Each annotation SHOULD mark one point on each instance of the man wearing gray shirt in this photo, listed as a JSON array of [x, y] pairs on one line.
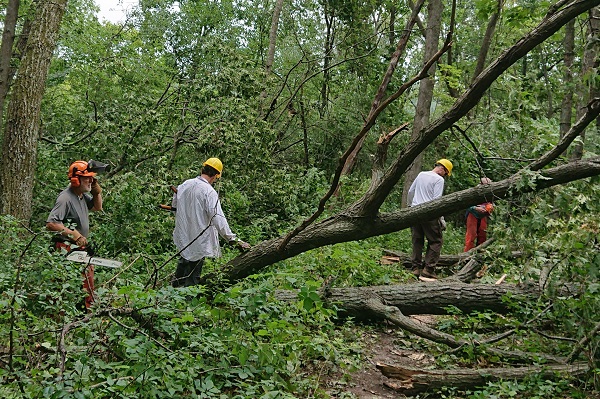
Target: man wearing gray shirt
[[427, 187], [70, 216]]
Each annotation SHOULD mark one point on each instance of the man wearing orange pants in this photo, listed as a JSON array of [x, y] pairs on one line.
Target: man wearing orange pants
[[70, 217], [477, 221]]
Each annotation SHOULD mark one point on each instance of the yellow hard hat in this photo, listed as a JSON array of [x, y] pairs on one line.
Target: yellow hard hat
[[214, 163], [446, 164]]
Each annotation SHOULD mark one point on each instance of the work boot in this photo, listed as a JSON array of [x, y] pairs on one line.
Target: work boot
[[416, 271], [428, 272]]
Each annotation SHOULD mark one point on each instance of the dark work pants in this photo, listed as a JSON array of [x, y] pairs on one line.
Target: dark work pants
[[187, 273], [432, 230]]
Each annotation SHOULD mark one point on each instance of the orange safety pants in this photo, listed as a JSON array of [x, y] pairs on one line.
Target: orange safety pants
[[87, 274], [476, 231]]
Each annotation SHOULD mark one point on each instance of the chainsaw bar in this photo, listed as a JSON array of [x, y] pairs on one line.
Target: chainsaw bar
[[83, 257]]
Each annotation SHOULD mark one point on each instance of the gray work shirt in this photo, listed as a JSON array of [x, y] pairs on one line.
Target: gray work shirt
[[72, 211], [199, 220]]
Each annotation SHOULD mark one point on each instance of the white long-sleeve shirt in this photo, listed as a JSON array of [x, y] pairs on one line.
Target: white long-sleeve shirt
[[426, 187], [199, 210]]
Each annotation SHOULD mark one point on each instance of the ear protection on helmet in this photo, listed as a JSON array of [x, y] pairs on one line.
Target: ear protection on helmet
[[77, 169]]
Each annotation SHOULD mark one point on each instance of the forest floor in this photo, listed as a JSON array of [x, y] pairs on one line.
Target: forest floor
[[382, 345]]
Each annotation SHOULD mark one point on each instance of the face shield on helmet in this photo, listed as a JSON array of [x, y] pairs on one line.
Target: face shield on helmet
[[78, 169]]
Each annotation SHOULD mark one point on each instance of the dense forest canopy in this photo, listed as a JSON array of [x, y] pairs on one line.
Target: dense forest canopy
[[321, 112]]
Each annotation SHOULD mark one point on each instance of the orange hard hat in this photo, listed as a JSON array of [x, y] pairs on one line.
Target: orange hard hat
[[79, 168]]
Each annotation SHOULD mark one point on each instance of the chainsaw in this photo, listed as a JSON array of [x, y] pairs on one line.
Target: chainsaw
[[169, 207], [81, 256]]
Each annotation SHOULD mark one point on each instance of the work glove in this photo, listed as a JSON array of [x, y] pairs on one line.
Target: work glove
[[96, 189], [443, 223], [244, 246], [78, 239]]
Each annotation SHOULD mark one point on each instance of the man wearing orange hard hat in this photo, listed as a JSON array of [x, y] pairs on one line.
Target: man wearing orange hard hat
[[70, 216], [199, 221], [427, 187]]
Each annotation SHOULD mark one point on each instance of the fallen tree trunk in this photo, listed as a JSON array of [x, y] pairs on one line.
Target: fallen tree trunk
[[353, 226], [426, 298], [413, 381], [363, 219], [394, 316]]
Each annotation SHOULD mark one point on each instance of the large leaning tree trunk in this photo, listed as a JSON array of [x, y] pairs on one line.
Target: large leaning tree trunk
[[362, 219], [22, 127]]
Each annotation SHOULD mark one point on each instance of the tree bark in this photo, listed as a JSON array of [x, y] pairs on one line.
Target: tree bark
[[423, 111], [22, 126], [400, 49], [445, 261], [588, 88], [273, 36], [270, 55], [566, 109], [6, 50], [328, 14], [487, 40], [419, 298], [414, 381]]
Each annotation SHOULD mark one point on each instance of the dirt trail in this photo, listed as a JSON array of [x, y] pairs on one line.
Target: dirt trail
[[382, 346]]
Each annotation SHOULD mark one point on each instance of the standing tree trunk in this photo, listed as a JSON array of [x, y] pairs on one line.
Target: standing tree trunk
[[327, 56], [273, 36], [434, 20], [487, 39], [566, 110], [8, 38], [270, 54], [589, 86], [21, 133], [485, 46]]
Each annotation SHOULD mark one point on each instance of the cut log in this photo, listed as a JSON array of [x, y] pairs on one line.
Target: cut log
[[445, 261], [412, 381], [420, 298]]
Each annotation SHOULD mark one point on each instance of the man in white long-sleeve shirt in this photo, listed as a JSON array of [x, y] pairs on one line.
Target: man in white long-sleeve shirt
[[199, 221], [427, 187]]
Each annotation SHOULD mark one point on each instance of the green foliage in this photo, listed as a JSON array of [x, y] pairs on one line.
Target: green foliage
[[533, 389], [183, 81], [174, 344]]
